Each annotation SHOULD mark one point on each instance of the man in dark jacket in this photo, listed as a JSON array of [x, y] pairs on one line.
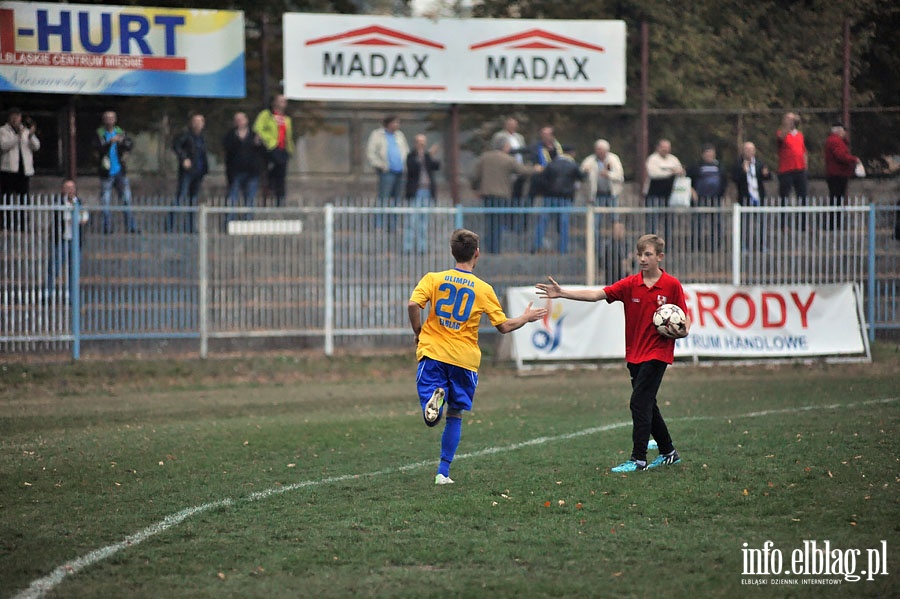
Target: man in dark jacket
[[193, 164], [560, 178], [243, 160], [708, 183], [750, 173], [112, 145], [421, 191]]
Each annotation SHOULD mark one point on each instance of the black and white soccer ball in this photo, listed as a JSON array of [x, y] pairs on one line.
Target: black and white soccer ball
[[670, 321]]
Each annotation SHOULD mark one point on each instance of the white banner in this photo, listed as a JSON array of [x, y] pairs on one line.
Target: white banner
[[469, 61], [727, 322]]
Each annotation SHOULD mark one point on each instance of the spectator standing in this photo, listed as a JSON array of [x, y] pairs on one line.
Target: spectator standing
[[543, 152], [491, 178], [447, 342], [750, 174], [840, 165], [193, 164], [243, 154], [275, 131], [605, 181], [112, 146], [421, 192], [18, 143], [61, 237], [517, 149], [561, 178], [792, 163], [662, 168], [708, 183], [386, 151]]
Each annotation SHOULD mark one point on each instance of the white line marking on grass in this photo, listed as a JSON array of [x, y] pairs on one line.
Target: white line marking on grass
[[42, 586]]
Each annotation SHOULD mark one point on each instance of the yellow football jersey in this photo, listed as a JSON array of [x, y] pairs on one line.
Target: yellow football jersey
[[458, 299]]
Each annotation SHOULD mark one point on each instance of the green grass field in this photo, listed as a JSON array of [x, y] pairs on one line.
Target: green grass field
[[313, 477]]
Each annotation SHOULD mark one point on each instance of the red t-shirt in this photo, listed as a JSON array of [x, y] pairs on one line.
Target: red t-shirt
[[282, 129], [791, 153], [642, 341]]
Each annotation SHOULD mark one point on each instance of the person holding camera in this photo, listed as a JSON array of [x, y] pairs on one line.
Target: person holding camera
[[112, 145], [18, 143]]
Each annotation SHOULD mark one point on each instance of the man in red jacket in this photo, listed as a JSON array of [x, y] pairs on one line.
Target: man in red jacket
[[840, 165]]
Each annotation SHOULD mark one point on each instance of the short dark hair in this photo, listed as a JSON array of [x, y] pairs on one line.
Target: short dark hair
[[14, 110], [389, 119], [463, 244]]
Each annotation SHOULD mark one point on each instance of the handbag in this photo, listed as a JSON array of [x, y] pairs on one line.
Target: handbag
[[860, 170], [681, 193]]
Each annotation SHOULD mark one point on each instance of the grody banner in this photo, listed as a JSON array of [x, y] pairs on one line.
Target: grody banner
[[467, 61], [122, 50], [727, 322]]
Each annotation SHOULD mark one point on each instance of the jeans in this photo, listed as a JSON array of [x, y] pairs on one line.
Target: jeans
[[415, 232], [495, 222], [390, 188], [795, 180], [657, 203], [123, 189], [59, 256], [188, 190], [837, 193], [603, 201], [276, 174], [715, 224], [562, 224], [246, 185]]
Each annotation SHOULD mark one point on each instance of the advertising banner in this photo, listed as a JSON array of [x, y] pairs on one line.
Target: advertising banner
[[471, 61], [122, 50], [727, 322]]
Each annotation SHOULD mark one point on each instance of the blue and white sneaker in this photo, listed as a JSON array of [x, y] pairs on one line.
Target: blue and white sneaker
[[630, 466], [440, 479], [665, 460], [434, 407]]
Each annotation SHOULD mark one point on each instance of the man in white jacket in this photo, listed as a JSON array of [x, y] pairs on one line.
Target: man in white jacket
[[18, 143], [386, 152], [605, 181]]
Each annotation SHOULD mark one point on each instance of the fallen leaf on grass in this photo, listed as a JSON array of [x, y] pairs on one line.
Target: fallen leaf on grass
[[27, 484], [546, 504], [746, 492], [221, 575]]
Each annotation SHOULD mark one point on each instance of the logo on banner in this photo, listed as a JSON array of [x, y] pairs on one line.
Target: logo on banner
[[537, 61], [375, 57], [108, 40], [549, 336]]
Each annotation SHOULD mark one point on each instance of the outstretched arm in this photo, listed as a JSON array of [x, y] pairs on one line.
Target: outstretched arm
[[529, 315], [552, 289]]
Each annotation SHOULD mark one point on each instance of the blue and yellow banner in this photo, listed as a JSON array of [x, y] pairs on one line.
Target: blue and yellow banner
[[121, 50]]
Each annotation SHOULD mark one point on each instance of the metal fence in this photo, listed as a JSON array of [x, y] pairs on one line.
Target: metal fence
[[340, 275]]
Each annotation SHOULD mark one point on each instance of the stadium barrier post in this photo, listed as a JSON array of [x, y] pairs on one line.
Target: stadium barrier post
[[203, 276], [329, 279]]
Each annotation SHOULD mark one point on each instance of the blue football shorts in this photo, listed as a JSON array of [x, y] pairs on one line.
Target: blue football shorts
[[459, 383]]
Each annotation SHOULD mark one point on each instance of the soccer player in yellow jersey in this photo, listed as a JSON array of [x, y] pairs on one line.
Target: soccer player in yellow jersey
[[447, 344]]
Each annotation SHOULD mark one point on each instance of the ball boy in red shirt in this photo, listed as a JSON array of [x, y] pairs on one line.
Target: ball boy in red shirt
[[647, 352]]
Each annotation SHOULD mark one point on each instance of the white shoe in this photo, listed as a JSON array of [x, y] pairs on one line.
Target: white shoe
[[440, 479], [433, 407]]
